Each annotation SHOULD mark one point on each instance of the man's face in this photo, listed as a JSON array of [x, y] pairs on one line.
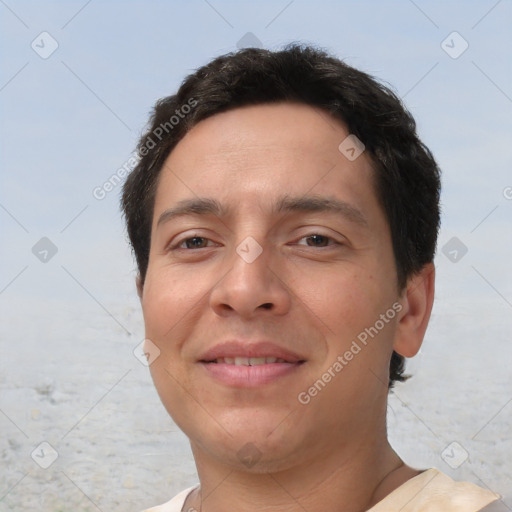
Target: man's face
[[270, 275]]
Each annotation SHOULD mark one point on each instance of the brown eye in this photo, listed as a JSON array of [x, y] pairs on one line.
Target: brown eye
[[318, 240], [189, 244], [195, 242]]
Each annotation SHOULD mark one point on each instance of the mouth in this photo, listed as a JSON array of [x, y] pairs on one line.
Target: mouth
[[250, 361], [246, 364], [250, 372]]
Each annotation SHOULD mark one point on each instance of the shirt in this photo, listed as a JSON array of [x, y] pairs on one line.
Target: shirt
[[430, 491]]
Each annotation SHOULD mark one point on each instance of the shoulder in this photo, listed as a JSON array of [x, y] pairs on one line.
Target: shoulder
[[432, 490], [175, 504]]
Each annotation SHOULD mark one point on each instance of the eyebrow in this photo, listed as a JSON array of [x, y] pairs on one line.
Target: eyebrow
[[303, 204]]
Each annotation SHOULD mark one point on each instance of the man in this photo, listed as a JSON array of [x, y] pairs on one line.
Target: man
[[284, 217]]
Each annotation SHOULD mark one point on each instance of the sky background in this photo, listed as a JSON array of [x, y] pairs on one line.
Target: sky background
[[70, 120]]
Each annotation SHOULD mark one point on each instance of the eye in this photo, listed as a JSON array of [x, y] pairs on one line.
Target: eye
[[194, 242], [201, 242], [318, 240]]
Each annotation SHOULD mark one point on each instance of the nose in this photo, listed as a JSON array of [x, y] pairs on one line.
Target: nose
[[250, 287]]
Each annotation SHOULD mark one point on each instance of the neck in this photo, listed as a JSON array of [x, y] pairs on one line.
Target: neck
[[352, 478]]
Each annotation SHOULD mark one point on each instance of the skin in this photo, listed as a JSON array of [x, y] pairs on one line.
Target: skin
[[310, 295]]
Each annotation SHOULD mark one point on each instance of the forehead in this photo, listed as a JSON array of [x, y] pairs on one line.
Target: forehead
[[294, 129], [254, 154]]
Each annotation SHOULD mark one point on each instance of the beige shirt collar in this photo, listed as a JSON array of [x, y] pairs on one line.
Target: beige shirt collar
[[433, 491], [430, 491]]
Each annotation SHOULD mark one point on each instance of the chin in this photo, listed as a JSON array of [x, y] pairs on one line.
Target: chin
[[253, 456], [251, 442]]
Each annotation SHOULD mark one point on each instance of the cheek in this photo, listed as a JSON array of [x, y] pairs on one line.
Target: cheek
[[341, 297], [168, 307], [349, 303], [168, 301]]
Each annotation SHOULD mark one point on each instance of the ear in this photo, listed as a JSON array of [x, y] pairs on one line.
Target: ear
[[140, 286], [417, 299]]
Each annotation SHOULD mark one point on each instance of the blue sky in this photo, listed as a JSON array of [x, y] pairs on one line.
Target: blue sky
[[70, 120]]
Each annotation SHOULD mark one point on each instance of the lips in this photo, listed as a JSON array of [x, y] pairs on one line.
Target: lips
[[246, 365], [249, 354], [248, 361]]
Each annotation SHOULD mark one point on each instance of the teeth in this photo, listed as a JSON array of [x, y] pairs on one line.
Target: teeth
[[253, 361], [249, 361]]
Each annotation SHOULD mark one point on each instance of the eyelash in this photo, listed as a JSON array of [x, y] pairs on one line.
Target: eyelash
[[177, 245]]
